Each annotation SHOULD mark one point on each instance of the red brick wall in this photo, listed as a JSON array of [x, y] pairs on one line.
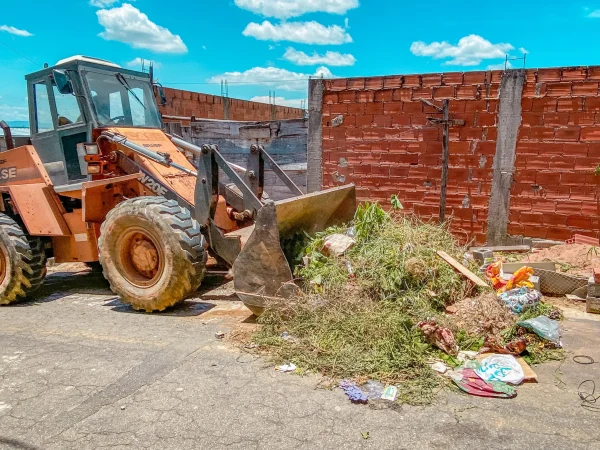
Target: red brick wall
[[390, 148], [205, 106], [555, 193]]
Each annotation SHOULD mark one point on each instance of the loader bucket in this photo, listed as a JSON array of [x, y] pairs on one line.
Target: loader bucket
[[261, 271]]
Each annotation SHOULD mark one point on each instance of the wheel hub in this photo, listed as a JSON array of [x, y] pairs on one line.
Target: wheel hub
[[144, 255]]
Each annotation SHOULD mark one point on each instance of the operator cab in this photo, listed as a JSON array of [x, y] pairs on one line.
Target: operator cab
[[78, 95]]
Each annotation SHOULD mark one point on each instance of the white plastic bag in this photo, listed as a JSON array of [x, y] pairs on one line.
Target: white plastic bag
[[501, 368]]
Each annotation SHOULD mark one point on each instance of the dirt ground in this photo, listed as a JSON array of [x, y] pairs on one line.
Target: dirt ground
[[81, 370]]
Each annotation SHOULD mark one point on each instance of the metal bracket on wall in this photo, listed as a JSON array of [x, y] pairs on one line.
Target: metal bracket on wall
[[446, 123]]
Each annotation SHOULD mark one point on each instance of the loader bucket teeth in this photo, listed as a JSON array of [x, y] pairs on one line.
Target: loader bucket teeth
[[261, 271]]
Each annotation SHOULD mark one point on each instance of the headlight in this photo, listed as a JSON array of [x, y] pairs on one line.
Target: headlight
[[91, 149]]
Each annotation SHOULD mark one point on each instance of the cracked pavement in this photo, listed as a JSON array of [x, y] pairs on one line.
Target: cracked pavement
[[80, 370]]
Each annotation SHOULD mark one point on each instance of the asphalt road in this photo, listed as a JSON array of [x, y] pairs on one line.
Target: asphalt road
[[80, 370]]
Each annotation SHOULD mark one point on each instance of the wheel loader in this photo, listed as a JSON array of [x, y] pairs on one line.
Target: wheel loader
[[101, 182]]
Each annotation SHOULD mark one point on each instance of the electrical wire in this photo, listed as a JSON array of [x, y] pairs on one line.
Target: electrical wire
[[19, 53]]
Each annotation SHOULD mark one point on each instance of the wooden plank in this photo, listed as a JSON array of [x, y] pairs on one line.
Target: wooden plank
[[504, 248], [462, 269]]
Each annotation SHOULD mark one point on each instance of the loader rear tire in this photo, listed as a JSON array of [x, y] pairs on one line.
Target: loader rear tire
[[22, 262], [152, 253]]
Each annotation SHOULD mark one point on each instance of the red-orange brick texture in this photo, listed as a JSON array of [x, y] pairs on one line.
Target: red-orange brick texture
[[391, 148], [204, 106]]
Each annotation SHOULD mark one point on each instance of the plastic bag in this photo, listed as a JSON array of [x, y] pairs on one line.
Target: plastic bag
[[373, 389], [544, 327], [501, 368], [518, 300]]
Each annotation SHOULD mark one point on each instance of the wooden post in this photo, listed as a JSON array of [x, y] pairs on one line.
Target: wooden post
[[445, 159]]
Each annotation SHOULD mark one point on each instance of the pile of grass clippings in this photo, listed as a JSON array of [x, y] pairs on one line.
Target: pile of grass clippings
[[357, 315], [364, 326]]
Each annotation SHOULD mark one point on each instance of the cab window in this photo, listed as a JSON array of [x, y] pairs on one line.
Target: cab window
[[43, 116], [67, 108]]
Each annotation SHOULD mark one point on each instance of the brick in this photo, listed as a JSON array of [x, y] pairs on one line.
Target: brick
[[470, 133], [430, 134], [575, 149], [537, 162], [582, 118], [585, 88], [382, 120], [412, 81], [374, 108], [532, 118], [364, 120], [476, 105], [549, 75], [392, 82], [452, 78], [571, 179], [592, 104], [401, 119], [374, 83], [356, 108], [396, 171], [491, 91], [570, 104], [593, 73], [485, 119], [412, 107], [495, 76], [569, 207], [583, 193], [585, 163], [384, 96], [461, 147], [556, 119], [474, 77], [467, 92], [457, 106], [338, 108], [590, 133], [443, 92], [392, 107], [567, 134], [558, 89], [526, 104], [541, 133], [347, 96], [337, 84], [365, 96], [419, 119], [594, 150], [544, 104], [431, 79], [559, 234], [574, 73], [425, 93]]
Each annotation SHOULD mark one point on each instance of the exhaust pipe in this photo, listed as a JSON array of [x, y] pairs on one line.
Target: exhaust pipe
[[10, 144]]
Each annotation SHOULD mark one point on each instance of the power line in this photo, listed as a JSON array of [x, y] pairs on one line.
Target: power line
[[19, 53]]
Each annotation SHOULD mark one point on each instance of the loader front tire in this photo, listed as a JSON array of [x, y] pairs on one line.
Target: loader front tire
[[22, 262], [152, 253]]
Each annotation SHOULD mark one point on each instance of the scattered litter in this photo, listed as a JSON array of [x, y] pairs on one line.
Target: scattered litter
[[589, 400], [439, 367], [530, 375], [220, 335], [544, 327], [518, 300], [468, 381], [365, 434], [442, 338], [465, 355], [390, 393], [337, 244], [583, 359], [503, 368], [373, 389], [122, 407], [349, 267], [286, 368], [354, 393], [515, 348]]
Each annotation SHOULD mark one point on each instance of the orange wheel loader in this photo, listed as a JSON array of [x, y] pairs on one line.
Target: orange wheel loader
[[101, 181]]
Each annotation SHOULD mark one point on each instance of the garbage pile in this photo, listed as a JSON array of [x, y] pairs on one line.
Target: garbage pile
[[385, 303]]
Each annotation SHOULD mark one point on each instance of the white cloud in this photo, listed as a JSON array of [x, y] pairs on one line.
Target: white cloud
[[137, 63], [595, 14], [129, 25], [281, 101], [282, 79], [15, 31], [302, 32], [500, 66], [469, 51], [330, 58], [523, 50], [10, 113], [103, 3], [284, 9]]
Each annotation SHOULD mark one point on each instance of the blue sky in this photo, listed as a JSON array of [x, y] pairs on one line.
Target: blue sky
[[274, 45]]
